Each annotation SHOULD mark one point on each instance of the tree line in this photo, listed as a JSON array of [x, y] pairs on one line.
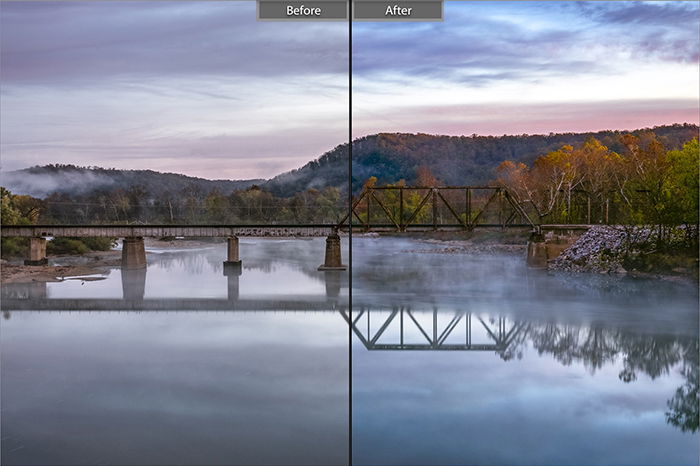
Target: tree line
[[643, 184], [192, 205], [640, 182]]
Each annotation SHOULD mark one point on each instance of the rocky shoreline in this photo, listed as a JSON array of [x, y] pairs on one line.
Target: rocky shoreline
[[599, 250], [614, 251]]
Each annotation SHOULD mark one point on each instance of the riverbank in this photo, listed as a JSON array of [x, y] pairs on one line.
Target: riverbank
[[60, 267], [64, 266], [602, 250], [483, 241], [620, 251]]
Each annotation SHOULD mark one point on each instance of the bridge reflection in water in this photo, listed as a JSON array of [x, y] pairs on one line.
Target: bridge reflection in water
[[401, 328], [35, 296], [404, 329]]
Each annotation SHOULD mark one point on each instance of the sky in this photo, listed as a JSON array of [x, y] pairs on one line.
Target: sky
[[203, 89], [494, 68]]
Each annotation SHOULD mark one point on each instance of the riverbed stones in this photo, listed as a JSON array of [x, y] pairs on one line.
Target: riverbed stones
[[600, 250]]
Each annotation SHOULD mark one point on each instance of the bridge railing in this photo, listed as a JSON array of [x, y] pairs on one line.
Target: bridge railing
[[407, 208]]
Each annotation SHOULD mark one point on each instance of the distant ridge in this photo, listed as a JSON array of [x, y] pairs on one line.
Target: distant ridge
[[457, 160], [41, 181], [390, 157]]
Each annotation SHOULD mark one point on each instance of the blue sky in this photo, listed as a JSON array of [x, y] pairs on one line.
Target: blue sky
[[202, 88]]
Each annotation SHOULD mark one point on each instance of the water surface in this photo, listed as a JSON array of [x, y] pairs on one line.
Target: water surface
[[456, 359], [192, 387], [474, 359]]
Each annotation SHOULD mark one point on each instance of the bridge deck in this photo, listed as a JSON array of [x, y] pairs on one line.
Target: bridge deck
[[160, 231], [223, 231]]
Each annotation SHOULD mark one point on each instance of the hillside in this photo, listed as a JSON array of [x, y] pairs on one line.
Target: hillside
[[69, 179], [456, 160]]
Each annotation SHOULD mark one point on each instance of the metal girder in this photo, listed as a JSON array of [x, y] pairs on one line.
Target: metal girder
[[508, 209]]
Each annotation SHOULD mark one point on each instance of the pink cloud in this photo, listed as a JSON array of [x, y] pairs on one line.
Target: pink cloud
[[499, 119]]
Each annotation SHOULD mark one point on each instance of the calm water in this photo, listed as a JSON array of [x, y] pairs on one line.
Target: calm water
[[532, 369], [263, 387], [457, 359]]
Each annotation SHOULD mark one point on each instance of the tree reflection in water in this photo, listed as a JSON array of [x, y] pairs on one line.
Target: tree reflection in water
[[684, 406], [651, 355], [592, 346]]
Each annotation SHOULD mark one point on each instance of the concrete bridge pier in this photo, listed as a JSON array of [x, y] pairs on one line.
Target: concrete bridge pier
[[333, 260], [133, 253], [37, 252], [233, 259], [133, 284], [546, 245], [537, 251]]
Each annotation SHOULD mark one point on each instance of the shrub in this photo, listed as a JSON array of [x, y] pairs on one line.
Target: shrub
[[79, 245], [13, 247]]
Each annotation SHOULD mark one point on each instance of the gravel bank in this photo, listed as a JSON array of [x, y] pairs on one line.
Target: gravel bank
[[599, 250]]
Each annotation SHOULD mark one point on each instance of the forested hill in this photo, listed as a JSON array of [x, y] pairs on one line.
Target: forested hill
[[457, 160], [69, 179]]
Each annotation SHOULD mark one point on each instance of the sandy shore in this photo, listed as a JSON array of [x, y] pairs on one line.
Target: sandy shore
[[92, 263], [63, 266]]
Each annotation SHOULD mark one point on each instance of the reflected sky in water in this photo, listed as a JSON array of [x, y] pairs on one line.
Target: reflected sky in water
[[271, 268], [188, 388], [457, 359]]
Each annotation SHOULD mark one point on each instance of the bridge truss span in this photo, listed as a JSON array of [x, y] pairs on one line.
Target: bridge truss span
[[431, 208]]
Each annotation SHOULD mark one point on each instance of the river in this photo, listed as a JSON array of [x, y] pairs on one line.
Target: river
[[456, 359]]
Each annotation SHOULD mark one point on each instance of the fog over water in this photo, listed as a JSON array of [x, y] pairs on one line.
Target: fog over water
[[504, 365]]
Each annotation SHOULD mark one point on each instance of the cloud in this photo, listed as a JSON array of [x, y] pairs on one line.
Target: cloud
[[160, 84], [76, 43], [197, 87], [479, 43], [497, 119], [666, 14]]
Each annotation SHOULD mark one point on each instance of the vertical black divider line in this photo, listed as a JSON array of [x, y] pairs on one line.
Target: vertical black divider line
[[350, 13]]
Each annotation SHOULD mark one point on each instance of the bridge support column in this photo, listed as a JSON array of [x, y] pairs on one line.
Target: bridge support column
[[537, 251], [333, 261], [133, 253], [37, 252], [233, 259]]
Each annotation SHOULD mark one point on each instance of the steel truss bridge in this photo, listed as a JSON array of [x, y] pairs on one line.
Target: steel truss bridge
[[376, 209], [429, 208]]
